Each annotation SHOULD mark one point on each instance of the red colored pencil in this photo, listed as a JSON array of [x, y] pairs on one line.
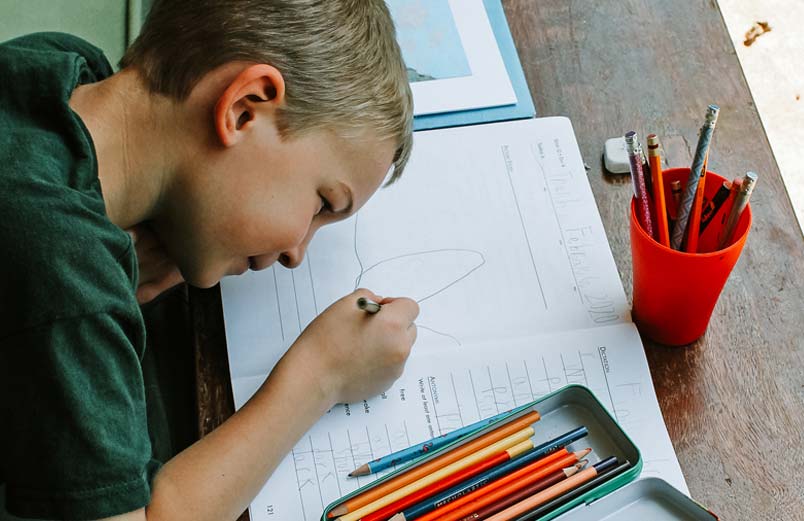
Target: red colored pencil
[[562, 487], [434, 465], [513, 494], [523, 477], [449, 481]]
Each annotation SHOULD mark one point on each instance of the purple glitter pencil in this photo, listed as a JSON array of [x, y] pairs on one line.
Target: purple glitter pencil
[[638, 178]]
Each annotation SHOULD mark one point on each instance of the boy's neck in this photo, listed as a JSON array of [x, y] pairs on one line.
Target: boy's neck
[[136, 137]]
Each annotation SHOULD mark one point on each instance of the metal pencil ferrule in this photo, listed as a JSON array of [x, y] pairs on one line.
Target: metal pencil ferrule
[[653, 145], [749, 181], [632, 145], [712, 112]]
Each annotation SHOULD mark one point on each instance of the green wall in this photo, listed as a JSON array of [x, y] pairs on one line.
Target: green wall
[[105, 23]]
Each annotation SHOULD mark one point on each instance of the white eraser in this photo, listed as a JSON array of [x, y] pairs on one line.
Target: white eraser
[[615, 156]]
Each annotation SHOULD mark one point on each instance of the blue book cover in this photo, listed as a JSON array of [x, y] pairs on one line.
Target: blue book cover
[[524, 106]]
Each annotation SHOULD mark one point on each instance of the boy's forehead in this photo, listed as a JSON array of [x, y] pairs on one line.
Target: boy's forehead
[[364, 153], [364, 166]]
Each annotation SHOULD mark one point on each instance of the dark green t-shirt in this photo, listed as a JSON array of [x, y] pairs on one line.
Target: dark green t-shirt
[[74, 439]]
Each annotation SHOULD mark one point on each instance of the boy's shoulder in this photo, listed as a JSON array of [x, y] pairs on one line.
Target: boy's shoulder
[[63, 256], [53, 45]]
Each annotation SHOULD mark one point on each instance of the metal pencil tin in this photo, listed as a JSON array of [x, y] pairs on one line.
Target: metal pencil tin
[[565, 409]]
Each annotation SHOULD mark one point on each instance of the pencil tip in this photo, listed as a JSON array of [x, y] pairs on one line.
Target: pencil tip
[[338, 511], [362, 470], [583, 453], [398, 517]]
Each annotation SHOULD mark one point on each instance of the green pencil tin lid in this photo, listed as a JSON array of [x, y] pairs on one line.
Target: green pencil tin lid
[[648, 498]]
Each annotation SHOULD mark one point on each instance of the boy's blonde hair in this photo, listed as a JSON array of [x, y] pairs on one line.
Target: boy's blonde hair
[[342, 67]]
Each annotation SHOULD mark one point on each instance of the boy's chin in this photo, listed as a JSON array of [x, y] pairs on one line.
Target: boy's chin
[[203, 278]]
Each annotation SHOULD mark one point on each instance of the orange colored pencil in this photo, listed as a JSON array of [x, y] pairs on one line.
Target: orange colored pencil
[[519, 478], [693, 229], [675, 191], [473, 470], [556, 490], [468, 460], [424, 469], [659, 203]]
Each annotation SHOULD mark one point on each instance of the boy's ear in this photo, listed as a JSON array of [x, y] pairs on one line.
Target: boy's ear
[[235, 110]]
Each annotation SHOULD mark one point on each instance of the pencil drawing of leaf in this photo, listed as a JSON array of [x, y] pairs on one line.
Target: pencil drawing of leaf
[[420, 275]]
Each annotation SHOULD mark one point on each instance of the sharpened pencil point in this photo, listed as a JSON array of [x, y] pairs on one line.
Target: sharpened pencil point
[[362, 470], [338, 511], [398, 517], [583, 453]]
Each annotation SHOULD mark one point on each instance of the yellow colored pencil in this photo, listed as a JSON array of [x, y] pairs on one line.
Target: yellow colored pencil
[[434, 464], [500, 446]]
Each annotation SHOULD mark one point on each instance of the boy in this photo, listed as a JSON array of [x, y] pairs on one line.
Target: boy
[[235, 129]]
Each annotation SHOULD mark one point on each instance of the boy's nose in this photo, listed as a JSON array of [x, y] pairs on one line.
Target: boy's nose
[[293, 257]]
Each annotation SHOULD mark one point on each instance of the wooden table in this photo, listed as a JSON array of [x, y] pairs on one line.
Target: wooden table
[[733, 401]]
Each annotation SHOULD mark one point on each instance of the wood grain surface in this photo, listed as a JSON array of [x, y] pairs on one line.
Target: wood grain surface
[[734, 400]]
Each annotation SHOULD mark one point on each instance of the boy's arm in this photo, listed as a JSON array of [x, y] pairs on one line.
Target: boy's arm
[[344, 355]]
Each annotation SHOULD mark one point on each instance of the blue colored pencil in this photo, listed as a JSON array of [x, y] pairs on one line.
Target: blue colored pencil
[[495, 473], [412, 452], [697, 172]]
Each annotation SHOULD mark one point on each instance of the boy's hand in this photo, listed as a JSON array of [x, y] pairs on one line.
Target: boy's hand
[[353, 354], [158, 273]]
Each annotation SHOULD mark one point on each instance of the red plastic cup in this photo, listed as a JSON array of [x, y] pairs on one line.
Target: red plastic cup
[[675, 292]]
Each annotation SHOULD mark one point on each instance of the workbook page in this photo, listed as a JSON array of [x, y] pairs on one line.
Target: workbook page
[[443, 391], [493, 229]]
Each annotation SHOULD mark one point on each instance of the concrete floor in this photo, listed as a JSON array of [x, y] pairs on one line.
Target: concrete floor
[[774, 67]]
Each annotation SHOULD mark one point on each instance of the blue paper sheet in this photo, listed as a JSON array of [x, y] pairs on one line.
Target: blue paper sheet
[[522, 109]]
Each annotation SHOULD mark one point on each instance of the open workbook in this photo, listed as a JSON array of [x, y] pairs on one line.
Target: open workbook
[[493, 229]]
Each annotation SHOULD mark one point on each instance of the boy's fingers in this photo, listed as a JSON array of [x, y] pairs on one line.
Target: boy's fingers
[[407, 307], [153, 270], [366, 293], [144, 239], [146, 293], [152, 289], [172, 278], [413, 332]]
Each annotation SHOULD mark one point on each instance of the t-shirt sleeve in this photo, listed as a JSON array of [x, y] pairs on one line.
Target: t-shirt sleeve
[[75, 439]]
